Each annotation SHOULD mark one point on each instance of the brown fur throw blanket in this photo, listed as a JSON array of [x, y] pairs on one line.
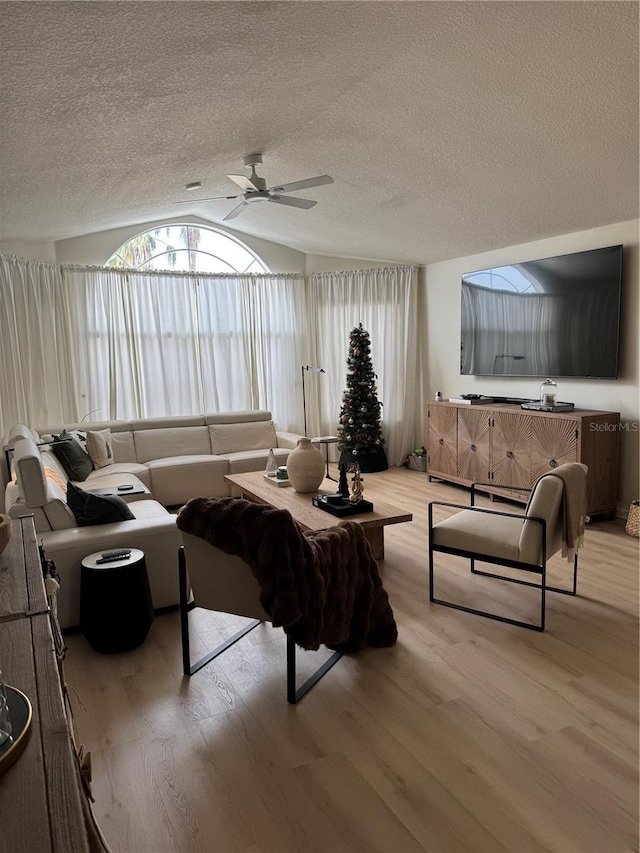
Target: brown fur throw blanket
[[321, 586]]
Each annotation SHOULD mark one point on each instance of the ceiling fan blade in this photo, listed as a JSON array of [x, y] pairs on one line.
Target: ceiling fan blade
[[211, 198], [244, 182], [303, 185], [305, 203], [237, 210]]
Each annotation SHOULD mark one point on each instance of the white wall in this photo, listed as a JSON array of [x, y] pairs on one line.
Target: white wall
[[39, 250], [621, 395], [96, 249], [330, 263]]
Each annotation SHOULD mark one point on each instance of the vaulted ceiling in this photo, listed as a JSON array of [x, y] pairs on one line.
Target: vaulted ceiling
[[449, 127]]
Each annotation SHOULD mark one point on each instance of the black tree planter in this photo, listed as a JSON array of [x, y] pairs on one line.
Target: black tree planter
[[373, 460]]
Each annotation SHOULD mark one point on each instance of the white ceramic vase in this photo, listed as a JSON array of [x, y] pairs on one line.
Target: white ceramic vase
[[305, 467]]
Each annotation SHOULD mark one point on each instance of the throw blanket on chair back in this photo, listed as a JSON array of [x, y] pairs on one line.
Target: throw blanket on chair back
[[321, 586]]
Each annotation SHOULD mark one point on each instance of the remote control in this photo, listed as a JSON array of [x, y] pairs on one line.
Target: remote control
[[124, 488], [117, 552], [113, 559]]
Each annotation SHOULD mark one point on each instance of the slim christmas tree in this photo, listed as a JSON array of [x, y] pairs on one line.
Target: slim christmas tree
[[359, 433]]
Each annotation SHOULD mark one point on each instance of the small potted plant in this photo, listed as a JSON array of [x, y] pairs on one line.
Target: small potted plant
[[416, 460]]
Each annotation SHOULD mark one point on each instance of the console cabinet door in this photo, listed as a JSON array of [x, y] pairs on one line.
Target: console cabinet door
[[474, 445], [511, 450], [443, 440], [553, 442]]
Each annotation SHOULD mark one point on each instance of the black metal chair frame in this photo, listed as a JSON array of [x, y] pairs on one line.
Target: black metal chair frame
[[472, 556], [293, 694]]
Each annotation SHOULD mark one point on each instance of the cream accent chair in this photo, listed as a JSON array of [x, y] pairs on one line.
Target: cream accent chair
[[524, 542], [211, 579]]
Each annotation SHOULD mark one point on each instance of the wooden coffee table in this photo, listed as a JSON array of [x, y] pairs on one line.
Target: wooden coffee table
[[254, 487]]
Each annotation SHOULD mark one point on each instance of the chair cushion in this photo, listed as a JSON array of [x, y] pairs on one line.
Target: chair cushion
[[544, 502], [481, 533], [91, 509]]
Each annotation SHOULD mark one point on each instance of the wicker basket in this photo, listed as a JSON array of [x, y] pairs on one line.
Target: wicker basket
[[633, 520], [417, 463]]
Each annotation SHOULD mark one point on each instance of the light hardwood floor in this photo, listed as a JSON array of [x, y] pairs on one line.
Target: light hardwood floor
[[468, 735]]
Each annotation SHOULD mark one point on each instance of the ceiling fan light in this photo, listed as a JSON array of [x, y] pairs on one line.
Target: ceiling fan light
[[253, 197]]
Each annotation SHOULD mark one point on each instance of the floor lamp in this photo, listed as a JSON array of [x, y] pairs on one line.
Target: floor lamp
[[303, 369]]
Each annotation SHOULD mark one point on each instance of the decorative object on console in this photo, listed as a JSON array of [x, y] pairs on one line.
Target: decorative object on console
[[5, 531], [359, 431], [20, 713], [471, 400], [305, 467], [306, 369], [548, 393], [541, 407], [5, 717]]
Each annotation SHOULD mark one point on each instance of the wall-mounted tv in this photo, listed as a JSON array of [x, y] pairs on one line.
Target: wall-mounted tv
[[555, 316]]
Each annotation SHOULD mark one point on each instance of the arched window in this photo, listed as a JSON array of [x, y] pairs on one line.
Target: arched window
[[512, 277], [186, 247]]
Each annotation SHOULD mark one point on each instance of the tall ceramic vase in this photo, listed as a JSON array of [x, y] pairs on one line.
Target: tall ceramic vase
[[305, 466]]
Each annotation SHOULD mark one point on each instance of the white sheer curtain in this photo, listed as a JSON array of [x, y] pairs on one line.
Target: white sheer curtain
[[136, 345], [37, 365], [385, 301], [133, 344], [161, 343], [251, 342], [279, 323]]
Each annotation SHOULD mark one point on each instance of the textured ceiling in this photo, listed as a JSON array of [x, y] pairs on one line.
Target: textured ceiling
[[449, 127]]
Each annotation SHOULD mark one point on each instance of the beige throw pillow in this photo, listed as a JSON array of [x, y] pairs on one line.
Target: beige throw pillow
[[99, 448]]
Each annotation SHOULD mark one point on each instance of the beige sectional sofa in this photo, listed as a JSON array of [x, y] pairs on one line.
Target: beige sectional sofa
[[164, 461]]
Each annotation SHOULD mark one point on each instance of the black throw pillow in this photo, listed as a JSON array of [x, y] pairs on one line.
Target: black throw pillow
[[75, 461], [91, 509]]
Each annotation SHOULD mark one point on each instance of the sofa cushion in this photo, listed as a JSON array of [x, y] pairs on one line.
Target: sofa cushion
[[111, 485], [75, 461], [254, 460], [99, 448], [91, 509], [58, 513], [19, 431], [111, 472], [231, 438], [238, 417], [178, 441], [28, 467], [177, 479]]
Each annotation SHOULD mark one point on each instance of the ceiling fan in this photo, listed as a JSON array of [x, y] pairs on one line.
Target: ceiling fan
[[255, 189]]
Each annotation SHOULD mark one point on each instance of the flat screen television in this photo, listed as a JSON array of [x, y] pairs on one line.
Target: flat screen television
[[555, 316]]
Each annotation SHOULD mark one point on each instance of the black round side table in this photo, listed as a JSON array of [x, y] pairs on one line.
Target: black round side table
[[116, 610]]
